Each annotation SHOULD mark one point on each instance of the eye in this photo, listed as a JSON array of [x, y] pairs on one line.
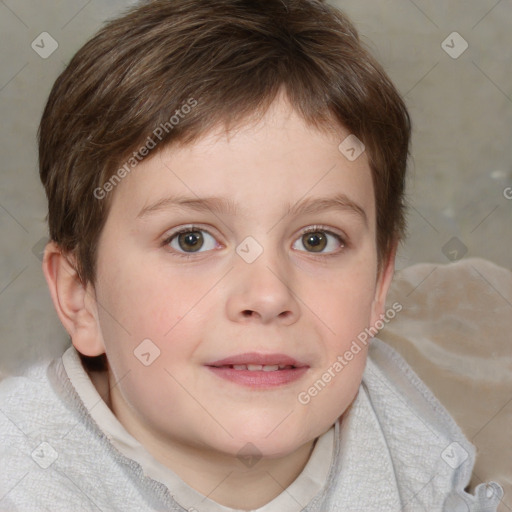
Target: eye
[[318, 240], [191, 240]]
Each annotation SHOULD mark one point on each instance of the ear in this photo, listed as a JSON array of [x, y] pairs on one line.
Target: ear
[[74, 302], [384, 278]]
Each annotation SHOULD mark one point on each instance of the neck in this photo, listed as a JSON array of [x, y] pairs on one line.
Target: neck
[[225, 480]]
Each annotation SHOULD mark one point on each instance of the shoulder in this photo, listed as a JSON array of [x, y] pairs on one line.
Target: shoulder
[[35, 426], [393, 384], [55, 457], [28, 410], [432, 457], [24, 399]]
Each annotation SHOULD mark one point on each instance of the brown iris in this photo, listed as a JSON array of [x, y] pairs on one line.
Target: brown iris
[[191, 241], [315, 241]]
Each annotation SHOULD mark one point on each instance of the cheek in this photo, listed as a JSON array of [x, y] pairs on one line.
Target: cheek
[[150, 316], [345, 311], [141, 300], [149, 338], [344, 305]]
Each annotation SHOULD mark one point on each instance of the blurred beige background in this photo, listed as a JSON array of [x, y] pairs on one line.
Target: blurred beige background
[[460, 103]]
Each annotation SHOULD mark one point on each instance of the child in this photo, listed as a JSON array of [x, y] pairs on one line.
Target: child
[[225, 184]]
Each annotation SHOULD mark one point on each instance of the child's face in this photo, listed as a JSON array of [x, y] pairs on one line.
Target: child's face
[[305, 297]]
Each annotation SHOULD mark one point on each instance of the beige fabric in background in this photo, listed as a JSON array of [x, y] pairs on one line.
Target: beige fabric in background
[[455, 330]]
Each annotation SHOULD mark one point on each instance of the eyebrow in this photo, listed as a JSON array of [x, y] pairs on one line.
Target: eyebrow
[[221, 205]]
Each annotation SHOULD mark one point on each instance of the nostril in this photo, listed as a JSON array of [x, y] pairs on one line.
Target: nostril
[[247, 312]]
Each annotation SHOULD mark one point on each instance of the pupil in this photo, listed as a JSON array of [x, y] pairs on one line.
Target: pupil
[[191, 242], [316, 241]]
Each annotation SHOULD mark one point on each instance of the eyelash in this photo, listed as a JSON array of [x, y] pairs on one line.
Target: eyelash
[[312, 229], [188, 229], [324, 229]]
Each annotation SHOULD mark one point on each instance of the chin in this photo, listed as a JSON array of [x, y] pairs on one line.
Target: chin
[[271, 445]]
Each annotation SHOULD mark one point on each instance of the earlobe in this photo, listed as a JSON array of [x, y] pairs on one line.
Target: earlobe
[[74, 301], [384, 279]]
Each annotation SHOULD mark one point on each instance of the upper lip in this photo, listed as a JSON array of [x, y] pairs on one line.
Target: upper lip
[[257, 358]]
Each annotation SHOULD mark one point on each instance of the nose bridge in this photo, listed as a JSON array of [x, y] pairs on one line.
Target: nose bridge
[[261, 286]]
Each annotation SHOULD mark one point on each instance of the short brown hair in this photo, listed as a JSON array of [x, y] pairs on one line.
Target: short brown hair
[[232, 57]]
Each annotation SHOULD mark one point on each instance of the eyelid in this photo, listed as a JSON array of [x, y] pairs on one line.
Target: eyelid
[[326, 229]]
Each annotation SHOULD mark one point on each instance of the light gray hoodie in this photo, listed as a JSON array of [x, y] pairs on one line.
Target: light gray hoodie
[[396, 450]]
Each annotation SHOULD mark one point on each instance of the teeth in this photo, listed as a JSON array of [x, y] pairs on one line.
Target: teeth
[[260, 367]]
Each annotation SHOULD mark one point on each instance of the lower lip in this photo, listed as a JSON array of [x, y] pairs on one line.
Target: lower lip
[[259, 379]]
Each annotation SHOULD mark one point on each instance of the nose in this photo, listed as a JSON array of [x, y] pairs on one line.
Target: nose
[[261, 292]]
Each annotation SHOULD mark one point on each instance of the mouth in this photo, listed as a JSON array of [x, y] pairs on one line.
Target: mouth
[[259, 370], [258, 367]]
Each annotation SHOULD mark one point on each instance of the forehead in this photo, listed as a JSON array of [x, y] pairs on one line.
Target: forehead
[[268, 163]]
